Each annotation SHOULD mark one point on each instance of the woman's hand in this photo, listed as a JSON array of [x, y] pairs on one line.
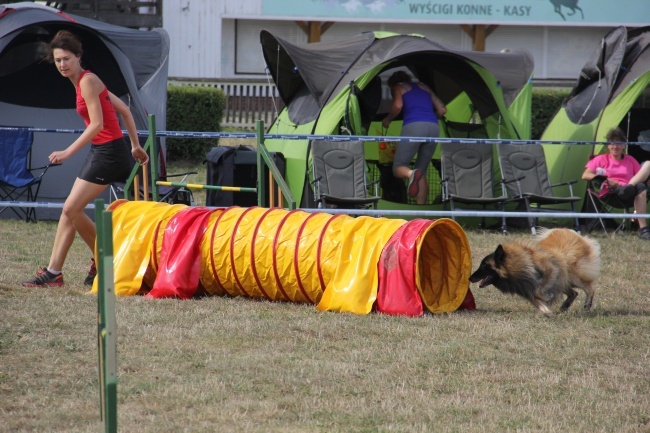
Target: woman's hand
[[386, 122], [59, 156], [140, 155]]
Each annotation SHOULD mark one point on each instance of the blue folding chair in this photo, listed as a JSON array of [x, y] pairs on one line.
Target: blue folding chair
[[17, 180]]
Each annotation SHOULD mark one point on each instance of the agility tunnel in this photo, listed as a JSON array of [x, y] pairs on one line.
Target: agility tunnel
[[337, 262]]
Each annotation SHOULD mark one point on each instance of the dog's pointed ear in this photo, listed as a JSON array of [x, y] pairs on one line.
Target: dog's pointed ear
[[499, 255]]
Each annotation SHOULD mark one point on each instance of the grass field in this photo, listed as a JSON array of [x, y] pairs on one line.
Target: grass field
[[239, 365]]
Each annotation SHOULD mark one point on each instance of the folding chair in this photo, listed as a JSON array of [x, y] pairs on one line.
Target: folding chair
[[17, 180], [339, 175], [467, 177], [606, 204], [524, 170]]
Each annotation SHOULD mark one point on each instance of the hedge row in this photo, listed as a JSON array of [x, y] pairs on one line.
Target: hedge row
[[200, 109], [195, 109], [545, 104]]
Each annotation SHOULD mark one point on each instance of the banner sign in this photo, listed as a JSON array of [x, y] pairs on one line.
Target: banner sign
[[517, 12]]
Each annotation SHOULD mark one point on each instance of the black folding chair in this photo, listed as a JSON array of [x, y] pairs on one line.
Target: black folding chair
[[468, 178], [523, 167], [607, 204], [339, 172]]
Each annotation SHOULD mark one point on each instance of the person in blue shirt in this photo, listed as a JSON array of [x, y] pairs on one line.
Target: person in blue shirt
[[420, 109]]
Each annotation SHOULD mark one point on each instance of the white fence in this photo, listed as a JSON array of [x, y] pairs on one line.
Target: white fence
[[251, 100], [246, 101]]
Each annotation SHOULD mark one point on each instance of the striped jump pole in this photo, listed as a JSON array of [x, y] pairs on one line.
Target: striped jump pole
[[106, 326], [212, 187]]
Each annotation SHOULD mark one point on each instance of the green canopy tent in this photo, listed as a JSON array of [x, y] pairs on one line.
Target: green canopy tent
[[338, 87], [612, 91]]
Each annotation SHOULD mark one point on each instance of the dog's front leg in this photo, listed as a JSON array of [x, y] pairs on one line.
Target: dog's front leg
[[541, 306], [570, 297], [543, 294]]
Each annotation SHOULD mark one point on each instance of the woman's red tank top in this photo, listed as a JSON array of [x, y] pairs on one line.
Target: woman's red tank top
[[112, 130]]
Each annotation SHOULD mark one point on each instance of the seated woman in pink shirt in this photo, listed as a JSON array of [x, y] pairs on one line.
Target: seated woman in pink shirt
[[625, 177]]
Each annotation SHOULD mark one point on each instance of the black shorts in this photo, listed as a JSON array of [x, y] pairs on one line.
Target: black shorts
[[107, 163], [628, 196]]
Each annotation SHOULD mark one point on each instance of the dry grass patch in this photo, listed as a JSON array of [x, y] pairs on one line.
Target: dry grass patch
[[239, 365]]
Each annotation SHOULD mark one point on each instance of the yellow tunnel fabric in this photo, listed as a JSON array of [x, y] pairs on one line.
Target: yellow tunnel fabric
[[354, 286], [270, 253]]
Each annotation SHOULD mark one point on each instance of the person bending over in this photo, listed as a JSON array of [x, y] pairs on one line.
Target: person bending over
[[625, 177], [421, 109], [108, 160]]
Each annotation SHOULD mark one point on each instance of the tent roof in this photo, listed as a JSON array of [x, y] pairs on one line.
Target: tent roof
[[620, 59], [315, 66], [112, 52], [637, 58], [326, 68], [513, 69]]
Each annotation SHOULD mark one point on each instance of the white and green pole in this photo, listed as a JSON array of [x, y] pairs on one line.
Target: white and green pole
[[106, 331]]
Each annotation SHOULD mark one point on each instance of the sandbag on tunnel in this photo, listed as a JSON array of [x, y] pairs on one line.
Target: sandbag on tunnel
[[338, 262]]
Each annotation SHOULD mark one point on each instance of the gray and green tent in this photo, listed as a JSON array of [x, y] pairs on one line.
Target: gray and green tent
[[612, 91], [333, 88]]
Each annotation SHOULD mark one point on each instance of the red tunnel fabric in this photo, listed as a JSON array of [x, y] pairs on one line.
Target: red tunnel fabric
[[180, 259], [398, 294]]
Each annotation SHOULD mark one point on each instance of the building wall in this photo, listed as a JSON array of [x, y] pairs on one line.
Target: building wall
[[220, 40], [195, 31]]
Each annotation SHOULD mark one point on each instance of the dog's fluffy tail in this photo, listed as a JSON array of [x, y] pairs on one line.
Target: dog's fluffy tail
[[581, 252], [590, 264]]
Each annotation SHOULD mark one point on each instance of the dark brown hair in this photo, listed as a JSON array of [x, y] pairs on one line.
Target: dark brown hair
[[616, 135], [66, 41], [398, 77]]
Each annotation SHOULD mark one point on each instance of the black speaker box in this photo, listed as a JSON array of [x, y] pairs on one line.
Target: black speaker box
[[245, 175], [237, 167]]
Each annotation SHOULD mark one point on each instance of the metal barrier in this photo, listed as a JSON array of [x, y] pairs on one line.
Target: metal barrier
[[283, 194]]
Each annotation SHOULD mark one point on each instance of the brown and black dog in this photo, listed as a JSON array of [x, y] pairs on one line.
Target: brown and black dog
[[544, 268]]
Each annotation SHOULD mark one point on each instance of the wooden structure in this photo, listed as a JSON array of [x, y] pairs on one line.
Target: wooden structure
[[478, 33], [126, 13]]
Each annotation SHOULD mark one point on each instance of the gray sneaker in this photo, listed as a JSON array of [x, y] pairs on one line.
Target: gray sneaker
[[644, 233]]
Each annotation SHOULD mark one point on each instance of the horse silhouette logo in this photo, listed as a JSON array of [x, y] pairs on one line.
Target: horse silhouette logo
[[571, 4]]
